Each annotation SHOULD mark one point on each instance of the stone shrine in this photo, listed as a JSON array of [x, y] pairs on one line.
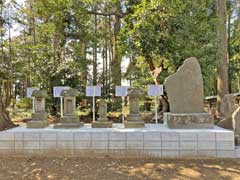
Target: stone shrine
[[39, 117], [102, 121], [186, 98], [69, 119], [134, 119]]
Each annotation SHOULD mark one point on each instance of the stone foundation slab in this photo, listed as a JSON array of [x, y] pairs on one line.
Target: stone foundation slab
[[37, 124], [152, 140], [101, 124], [189, 121]]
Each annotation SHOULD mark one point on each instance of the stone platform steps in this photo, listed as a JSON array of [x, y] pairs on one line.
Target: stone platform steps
[[153, 140]]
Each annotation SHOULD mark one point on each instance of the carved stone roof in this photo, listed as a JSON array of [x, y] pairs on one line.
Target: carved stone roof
[[39, 94], [70, 92]]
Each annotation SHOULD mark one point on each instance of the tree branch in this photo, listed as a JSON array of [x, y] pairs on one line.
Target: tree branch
[[121, 15]]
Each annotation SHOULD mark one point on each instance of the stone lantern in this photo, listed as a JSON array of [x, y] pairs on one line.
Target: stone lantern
[[39, 117], [134, 119], [69, 119]]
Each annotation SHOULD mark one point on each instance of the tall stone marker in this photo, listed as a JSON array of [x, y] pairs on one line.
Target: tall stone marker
[[236, 124], [227, 109], [39, 116], [69, 119], [102, 121], [134, 119], [186, 98]]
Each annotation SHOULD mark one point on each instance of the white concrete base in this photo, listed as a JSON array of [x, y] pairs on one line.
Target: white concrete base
[[153, 140]]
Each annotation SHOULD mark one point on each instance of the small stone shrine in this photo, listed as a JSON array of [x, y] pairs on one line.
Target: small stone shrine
[[39, 117], [134, 119], [102, 121], [186, 98], [69, 119]]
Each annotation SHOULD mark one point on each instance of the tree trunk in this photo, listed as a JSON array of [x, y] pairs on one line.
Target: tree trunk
[[95, 52], [229, 19], [222, 53], [2, 32], [116, 60], [5, 121], [84, 76]]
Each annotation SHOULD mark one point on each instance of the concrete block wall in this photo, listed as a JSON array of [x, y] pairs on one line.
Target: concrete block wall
[[159, 142]]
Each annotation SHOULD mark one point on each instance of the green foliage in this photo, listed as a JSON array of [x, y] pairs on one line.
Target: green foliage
[[234, 47], [19, 114], [167, 32], [24, 103]]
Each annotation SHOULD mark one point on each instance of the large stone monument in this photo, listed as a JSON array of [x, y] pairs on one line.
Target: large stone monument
[[186, 98], [102, 121], [39, 117], [134, 119], [69, 119]]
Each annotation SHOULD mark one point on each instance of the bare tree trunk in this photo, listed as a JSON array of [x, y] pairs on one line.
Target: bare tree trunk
[[163, 102], [222, 53]]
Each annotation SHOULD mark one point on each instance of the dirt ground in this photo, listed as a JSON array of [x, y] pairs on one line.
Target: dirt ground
[[112, 168]]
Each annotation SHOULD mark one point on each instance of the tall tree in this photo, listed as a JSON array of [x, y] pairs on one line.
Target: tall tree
[[222, 53], [5, 121], [116, 60]]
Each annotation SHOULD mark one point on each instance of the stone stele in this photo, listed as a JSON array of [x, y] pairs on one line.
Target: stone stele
[[102, 121], [134, 119], [69, 119], [39, 117], [236, 124], [185, 94], [227, 109]]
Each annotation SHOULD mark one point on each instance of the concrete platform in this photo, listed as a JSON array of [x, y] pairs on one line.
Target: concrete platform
[[153, 140]]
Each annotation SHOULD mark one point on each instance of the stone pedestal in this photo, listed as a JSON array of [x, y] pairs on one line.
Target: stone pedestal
[[134, 119], [39, 117], [103, 124], [37, 124], [69, 119], [189, 120], [102, 121]]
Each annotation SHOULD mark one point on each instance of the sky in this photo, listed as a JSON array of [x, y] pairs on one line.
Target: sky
[[15, 29]]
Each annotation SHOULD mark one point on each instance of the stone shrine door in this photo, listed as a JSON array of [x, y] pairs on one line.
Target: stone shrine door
[[69, 108], [38, 105], [133, 102]]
